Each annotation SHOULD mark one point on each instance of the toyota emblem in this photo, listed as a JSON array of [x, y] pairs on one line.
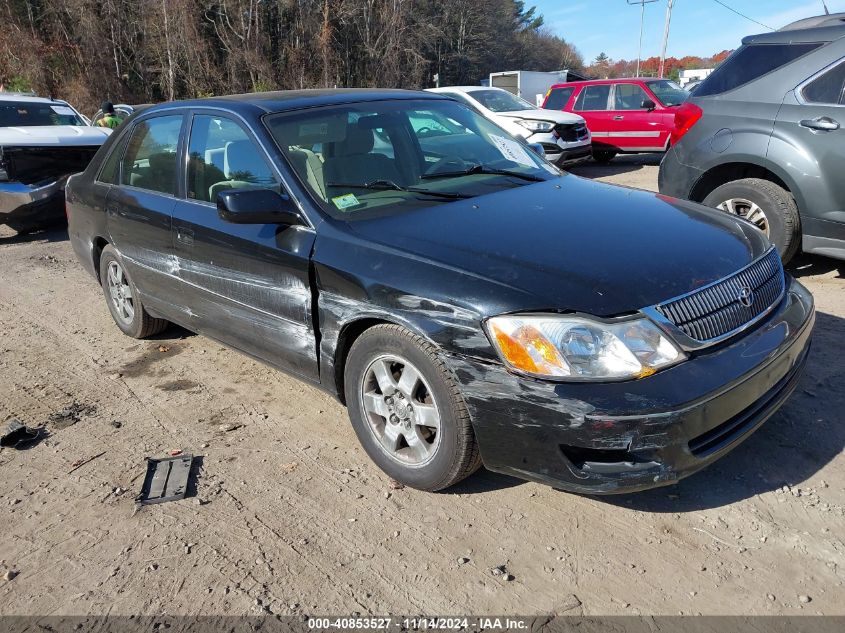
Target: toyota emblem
[[746, 296]]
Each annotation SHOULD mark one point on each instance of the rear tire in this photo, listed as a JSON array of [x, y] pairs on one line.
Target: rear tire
[[604, 156], [429, 445], [767, 205], [123, 300]]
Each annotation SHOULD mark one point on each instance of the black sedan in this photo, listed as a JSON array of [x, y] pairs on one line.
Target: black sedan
[[468, 302]]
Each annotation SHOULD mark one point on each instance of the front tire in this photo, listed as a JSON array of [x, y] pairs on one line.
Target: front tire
[[123, 300], [407, 410], [768, 206]]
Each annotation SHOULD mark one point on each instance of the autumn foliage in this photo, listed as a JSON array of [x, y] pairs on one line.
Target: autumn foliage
[[604, 67]]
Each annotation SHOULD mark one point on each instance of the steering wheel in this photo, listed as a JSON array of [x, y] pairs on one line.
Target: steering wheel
[[447, 164]]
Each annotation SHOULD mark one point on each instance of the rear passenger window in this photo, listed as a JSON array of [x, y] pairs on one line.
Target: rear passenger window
[[629, 97], [749, 63], [222, 156], [827, 88], [150, 159], [558, 98], [109, 172], [593, 98]]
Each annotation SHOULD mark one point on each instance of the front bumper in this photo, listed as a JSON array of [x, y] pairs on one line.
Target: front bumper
[[26, 206], [601, 438], [559, 151]]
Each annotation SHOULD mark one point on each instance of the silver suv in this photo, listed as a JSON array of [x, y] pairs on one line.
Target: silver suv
[[762, 137]]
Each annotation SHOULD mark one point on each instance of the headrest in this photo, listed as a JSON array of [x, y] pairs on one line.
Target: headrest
[[162, 161], [358, 141], [242, 157]]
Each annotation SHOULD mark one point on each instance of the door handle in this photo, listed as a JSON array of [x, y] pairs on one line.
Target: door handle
[[185, 236], [823, 124], [618, 117]]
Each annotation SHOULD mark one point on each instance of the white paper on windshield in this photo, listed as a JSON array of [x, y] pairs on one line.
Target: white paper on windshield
[[512, 150], [63, 110]]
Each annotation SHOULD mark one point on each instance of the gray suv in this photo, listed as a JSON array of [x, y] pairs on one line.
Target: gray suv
[[763, 138]]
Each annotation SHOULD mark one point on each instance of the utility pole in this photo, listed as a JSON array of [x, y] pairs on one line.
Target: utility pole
[[666, 37], [642, 4]]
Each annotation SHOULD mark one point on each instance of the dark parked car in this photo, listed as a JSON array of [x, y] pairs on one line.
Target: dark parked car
[[461, 303], [762, 137]]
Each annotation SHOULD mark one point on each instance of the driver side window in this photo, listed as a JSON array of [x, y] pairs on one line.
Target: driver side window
[[628, 97], [222, 156]]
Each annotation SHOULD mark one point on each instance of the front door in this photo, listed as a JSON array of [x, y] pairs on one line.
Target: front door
[[814, 116], [246, 285], [633, 127]]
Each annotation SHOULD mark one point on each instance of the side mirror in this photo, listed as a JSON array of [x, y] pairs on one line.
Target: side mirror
[[257, 206], [648, 104], [537, 148]]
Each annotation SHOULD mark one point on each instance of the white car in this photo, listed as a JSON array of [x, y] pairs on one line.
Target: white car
[[563, 135], [42, 142]]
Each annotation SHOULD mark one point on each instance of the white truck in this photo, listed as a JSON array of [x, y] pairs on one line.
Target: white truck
[[529, 84], [42, 142]]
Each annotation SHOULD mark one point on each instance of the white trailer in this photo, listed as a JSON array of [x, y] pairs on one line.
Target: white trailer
[[529, 84]]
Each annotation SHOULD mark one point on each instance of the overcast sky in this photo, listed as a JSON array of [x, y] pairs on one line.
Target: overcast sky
[[699, 27]]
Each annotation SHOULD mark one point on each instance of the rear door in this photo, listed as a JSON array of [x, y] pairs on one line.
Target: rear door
[[814, 116], [593, 103], [139, 209], [246, 285], [633, 127]]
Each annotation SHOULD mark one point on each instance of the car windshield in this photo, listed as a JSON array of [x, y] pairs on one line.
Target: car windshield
[[669, 93], [28, 114], [501, 101], [375, 158]]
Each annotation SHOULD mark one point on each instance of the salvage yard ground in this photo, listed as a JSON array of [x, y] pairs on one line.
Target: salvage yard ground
[[290, 516]]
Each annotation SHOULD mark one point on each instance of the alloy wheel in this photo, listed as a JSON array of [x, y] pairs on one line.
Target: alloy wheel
[[747, 210], [400, 410], [120, 292]]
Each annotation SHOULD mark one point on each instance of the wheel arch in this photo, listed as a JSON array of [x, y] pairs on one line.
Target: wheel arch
[[737, 170], [349, 333], [97, 246]]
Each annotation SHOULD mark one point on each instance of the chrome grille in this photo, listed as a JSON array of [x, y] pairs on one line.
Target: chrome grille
[[716, 311]]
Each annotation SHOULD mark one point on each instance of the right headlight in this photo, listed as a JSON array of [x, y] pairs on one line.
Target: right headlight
[[579, 348], [534, 125]]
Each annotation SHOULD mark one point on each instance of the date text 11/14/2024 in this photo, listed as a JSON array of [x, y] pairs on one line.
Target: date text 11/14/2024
[[419, 623]]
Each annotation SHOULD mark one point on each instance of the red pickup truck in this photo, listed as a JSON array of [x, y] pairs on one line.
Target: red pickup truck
[[624, 115]]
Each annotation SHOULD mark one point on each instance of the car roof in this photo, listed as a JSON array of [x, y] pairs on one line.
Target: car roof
[[284, 100], [820, 28], [615, 80], [27, 98], [464, 89]]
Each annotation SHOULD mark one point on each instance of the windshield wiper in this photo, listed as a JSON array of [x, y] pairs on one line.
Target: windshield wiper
[[481, 169], [389, 185]]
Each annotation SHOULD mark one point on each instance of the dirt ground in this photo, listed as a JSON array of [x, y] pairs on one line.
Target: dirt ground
[[290, 516]]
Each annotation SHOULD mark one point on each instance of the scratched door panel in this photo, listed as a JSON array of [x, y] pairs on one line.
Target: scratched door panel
[[139, 227], [247, 285]]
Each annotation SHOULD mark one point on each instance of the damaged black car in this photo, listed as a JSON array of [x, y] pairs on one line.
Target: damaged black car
[[42, 142], [467, 301]]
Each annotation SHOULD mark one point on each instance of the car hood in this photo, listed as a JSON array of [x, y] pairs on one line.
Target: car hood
[[556, 116], [573, 244], [52, 135]]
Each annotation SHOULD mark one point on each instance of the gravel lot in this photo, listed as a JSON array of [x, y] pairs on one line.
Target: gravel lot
[[290, 516]]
